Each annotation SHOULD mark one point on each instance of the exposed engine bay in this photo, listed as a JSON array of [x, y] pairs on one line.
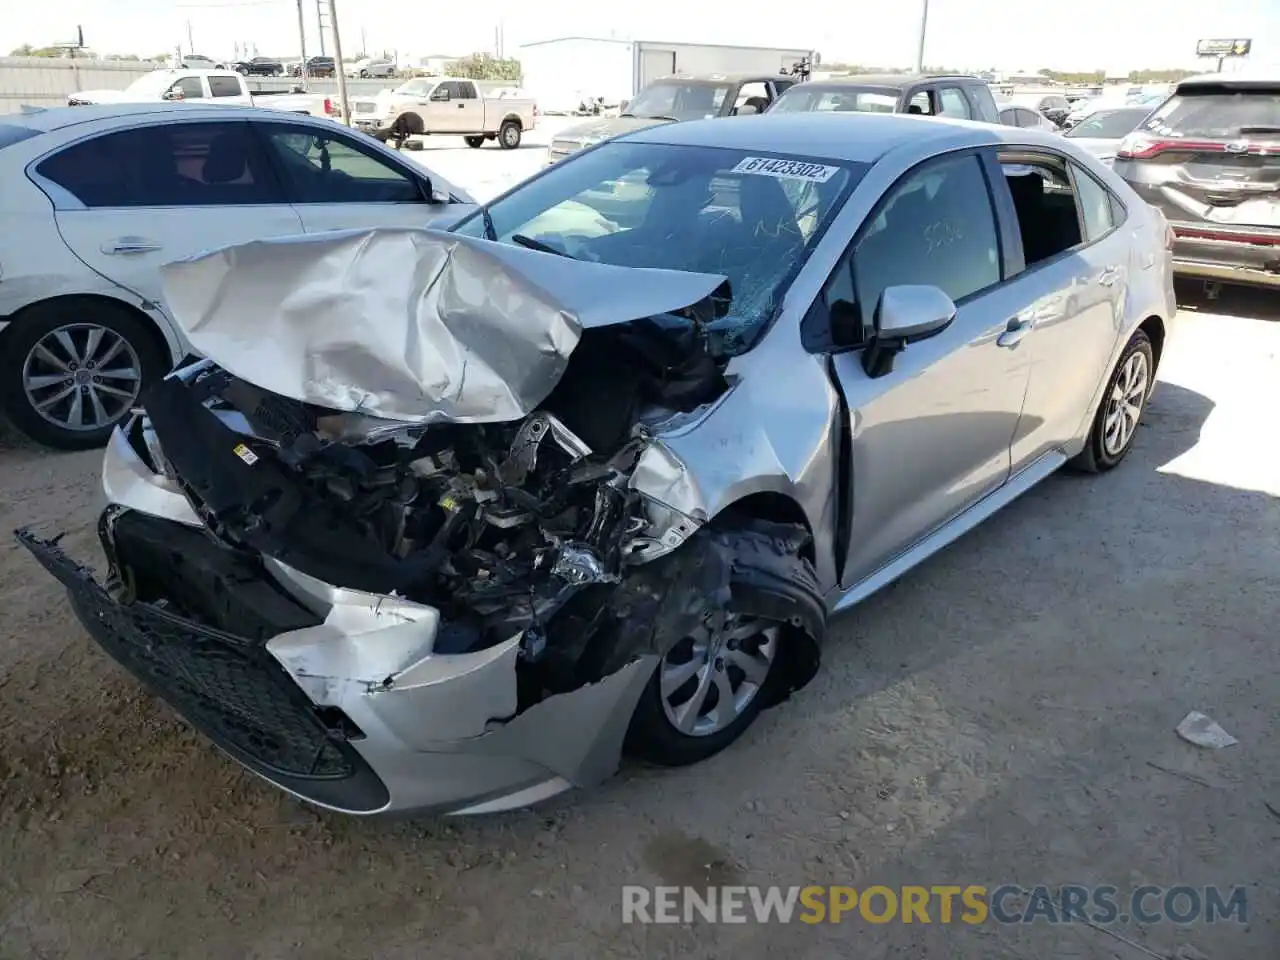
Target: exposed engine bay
[[506, 528]]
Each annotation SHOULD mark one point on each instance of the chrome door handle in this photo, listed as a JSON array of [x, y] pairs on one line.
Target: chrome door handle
[[1013, 333], [126, 245], [1109, 277]]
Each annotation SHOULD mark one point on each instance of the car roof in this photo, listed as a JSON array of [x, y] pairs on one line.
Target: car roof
[[710, 78], [891, 79], [1244, 78], [51, 119], [852, 137]]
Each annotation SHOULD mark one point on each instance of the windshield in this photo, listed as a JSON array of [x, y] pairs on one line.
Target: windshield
[[750, 217], [1218, 115], [678, 101], [151, 84], [1108, 124], [804, 99], [416, 88]]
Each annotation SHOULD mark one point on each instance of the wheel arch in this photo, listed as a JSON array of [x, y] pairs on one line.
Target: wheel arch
[[1154, 328], [513, 118], [163, 338], [413, 123], [773, 507]]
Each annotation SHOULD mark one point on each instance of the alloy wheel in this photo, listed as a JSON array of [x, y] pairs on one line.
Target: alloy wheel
[[708, 679], [82, 376], [1124, 405]]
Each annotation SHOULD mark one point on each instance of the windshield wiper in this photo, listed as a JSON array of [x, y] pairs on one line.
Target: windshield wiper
[[487, 218], [650, 116], [533, 244]]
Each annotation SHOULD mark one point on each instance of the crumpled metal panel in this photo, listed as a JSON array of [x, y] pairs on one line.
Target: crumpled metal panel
[[411, 325]]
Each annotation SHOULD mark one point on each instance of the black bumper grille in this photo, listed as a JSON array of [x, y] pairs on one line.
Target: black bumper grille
[[228, 687]]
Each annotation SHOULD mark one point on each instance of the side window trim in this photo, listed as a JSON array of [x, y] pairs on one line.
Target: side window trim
[[1076, 172], [816, 324]]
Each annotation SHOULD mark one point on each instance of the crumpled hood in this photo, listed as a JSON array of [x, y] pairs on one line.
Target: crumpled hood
[[606, 128], [418, 326]]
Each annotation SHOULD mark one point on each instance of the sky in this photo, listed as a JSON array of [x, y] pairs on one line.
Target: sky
[[1119, 35]]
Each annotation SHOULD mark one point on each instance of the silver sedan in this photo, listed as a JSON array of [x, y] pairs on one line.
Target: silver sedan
[[595, 470]]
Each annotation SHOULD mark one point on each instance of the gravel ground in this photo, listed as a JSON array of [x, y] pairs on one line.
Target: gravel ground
[[992, 718]]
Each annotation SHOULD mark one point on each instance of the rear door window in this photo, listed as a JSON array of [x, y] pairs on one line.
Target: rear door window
[[173, 165], [919, 103], [1096, 205], [466, 90]]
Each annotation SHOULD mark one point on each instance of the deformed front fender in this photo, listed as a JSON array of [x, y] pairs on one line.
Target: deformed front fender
[[768, 434]]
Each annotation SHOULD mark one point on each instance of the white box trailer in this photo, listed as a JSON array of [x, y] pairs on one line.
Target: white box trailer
[[567, 71]]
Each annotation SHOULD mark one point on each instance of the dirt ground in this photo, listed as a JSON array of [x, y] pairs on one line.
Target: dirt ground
[[1003, 714]]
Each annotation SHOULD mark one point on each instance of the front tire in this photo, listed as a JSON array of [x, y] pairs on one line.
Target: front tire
[[1120, 412], [509, 135], [71, 370], [710, 686], [475, 143]]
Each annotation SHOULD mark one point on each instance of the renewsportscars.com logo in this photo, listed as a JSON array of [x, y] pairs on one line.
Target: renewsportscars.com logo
[[939, 903]]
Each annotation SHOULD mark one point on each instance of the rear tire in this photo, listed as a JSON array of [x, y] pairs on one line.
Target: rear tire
[[1124, 401], [509, 135], [33, 354], [475, 143]]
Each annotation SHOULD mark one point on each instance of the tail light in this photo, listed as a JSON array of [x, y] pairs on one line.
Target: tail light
[[536, 111], [329, 108], [1169, 237], [1139, 146]]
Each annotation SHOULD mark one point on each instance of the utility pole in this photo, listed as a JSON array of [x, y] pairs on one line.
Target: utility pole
[[364, 42], [302, 43], [924, 23], [191, 44], [337, 56], [320, 24]]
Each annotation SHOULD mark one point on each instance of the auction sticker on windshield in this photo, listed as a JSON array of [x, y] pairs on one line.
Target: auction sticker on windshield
[[786, 169]]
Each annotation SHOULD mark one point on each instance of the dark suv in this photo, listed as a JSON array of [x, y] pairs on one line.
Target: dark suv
[[927, 94], [1209, 158], [318, 67], [259, 67]]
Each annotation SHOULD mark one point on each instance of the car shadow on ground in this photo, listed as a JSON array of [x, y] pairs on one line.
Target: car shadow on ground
[[1255, 302]]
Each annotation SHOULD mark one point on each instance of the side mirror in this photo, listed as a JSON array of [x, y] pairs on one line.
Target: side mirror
[[905, 314], [622, 107], [440, 96], [173, 95], [746, 110]]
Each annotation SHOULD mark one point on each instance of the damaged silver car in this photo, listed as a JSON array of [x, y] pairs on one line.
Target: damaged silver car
[[449, 520]]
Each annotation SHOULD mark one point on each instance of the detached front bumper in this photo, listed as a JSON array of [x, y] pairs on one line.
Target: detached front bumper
[[339, 697]]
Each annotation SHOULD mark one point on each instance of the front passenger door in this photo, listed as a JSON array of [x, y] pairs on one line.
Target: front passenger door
[[932, 437]]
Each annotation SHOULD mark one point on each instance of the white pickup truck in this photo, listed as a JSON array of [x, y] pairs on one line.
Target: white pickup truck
[[449, 105], [208, 87]]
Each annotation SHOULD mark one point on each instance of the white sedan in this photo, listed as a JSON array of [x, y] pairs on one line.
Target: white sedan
[[97, 198]]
